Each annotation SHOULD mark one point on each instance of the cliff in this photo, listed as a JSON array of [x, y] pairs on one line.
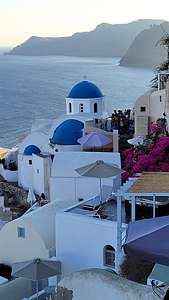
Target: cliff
[[145, 51], [105, 40]]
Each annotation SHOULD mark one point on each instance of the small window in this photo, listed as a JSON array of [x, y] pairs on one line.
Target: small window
[[95, 108], [81, 108], [30, 162], [109, 256], [70, 107], [160, 98], [142, 108], [21, 232], [38, 171]]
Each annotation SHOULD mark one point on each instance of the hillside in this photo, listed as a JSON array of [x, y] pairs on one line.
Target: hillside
[[105, 40], [145, 51]]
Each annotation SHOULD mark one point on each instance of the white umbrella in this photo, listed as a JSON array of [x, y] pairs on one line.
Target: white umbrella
[[136, 141], [36, 269], [99, 169], [31, 199]]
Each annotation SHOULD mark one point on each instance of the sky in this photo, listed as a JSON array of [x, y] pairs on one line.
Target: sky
[[20, 19]]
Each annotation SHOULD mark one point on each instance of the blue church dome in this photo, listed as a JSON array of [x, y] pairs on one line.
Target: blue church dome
[[31, 149], [85, 90], [67, 133]]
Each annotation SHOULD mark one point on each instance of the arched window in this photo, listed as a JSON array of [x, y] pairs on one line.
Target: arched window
[[95, 108], [109, 256], [81, 108], [70, 107], [142, 108]]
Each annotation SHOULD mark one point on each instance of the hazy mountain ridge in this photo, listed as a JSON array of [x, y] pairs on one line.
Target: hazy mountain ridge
[[105, 40], [145, 51]]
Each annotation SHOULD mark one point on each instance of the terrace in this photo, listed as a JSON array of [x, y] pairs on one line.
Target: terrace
[[145, 196], [94, 208]]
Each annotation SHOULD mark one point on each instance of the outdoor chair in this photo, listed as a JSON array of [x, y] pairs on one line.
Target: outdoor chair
[[107, 193]]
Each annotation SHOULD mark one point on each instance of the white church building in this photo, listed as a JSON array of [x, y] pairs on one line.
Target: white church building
[[48, 155], [37, 152]]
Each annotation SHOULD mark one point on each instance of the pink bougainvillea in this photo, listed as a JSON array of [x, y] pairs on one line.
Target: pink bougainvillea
[[157, 127], [153, 158]]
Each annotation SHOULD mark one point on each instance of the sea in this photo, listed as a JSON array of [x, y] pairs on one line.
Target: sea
[[36, 87]]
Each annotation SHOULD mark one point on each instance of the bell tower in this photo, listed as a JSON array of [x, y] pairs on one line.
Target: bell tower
[[86, 99]]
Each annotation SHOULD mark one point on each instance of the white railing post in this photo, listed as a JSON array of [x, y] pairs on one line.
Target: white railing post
[[119, 233], [133, 208], [154, 206]]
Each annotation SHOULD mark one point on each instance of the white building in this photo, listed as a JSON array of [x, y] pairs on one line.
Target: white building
[[84, 106], [90, 236], [150, 107], [67, 185], [30, 236]]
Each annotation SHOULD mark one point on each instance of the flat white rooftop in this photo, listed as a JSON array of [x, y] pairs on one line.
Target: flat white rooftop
[[102, 211]]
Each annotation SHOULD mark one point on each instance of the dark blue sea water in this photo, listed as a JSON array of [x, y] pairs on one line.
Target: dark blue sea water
[[35, 87]]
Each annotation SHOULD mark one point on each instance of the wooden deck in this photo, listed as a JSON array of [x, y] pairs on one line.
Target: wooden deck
[[151, 182]]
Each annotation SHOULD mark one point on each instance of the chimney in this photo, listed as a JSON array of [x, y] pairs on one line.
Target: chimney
[[115, 141]]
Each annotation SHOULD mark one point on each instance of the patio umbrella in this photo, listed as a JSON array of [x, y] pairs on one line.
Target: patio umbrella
[[136, 141], [148, 239], [94, 139], [36, 269], [99, 169]]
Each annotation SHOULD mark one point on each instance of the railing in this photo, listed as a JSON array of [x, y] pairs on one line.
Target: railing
[[32, 208]]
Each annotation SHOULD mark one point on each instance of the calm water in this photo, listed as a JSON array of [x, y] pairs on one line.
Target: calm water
[[35, 87]]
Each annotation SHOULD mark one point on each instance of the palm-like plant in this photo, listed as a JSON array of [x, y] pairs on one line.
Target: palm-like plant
[[164, 42]]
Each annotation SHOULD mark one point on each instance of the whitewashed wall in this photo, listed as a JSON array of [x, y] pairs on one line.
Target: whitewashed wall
[[71, 189], [157, 107], [88, 106], [25, 171], [39, 238], [65, 148], [10, 176], [41, 174], [14, 249], [154, 102], [67, 185], [80, 241]]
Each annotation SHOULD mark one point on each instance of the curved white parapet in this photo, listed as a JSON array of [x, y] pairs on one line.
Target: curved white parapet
[[8, 175], [102, 284]]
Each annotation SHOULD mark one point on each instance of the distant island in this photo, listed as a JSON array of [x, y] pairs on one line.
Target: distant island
[[145, 51], [105, 40]]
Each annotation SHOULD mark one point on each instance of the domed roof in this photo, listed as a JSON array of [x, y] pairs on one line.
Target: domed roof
[[31, 149], [85, 90], [68, 132]]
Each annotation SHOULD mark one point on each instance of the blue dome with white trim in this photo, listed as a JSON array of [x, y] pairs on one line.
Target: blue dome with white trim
[[85, 90], [67, 133], [31, 149]]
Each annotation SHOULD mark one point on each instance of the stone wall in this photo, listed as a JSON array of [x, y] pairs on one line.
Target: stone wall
[[12, 192]]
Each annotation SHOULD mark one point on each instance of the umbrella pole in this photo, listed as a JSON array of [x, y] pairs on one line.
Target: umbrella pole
[[100, 191]]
